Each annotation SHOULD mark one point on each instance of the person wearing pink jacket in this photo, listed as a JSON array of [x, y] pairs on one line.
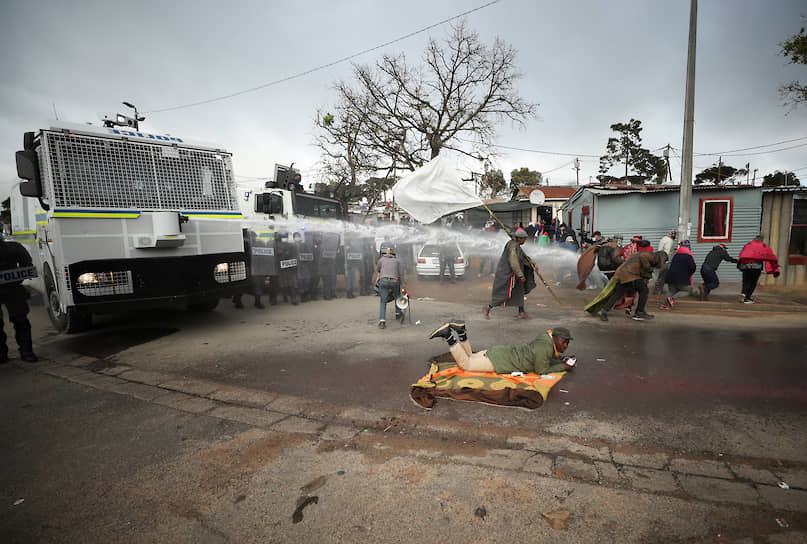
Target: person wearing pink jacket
[[753, 257]]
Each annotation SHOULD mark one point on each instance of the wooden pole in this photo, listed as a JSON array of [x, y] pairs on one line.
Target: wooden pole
[[529, 261]]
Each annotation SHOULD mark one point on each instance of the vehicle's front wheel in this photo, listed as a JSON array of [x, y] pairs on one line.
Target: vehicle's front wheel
[[70, 321]]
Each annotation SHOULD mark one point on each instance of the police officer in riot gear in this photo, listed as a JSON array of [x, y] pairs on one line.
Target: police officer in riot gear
[[305, 264], [353, 264], [13, 296], [287, 257], [327, 264]]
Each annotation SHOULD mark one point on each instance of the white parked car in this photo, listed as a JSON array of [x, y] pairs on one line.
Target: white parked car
[[428, 261]]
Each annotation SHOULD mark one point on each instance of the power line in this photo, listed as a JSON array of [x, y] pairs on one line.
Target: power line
[[543, 152], [756, 147], [323, 66]]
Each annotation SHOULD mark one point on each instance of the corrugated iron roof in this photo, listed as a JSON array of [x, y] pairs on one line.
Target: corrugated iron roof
[[556, 192], [605, 191]]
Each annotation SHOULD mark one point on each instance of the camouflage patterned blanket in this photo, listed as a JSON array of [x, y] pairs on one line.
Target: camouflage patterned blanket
[[446, 379]]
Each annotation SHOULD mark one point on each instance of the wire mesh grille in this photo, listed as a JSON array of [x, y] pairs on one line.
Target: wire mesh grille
[[235, 271], [97, 284], [91, 172]]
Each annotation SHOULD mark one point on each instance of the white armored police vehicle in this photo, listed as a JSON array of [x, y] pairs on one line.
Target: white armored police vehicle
[[116, 218]]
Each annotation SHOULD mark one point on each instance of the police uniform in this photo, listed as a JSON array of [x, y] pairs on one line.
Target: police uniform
[[287, 255], [305, 267], [14, 297], [329, 250], [353, 264]]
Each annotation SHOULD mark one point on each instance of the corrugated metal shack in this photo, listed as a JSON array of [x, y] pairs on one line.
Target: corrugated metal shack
[[784, 228], [729, 214]]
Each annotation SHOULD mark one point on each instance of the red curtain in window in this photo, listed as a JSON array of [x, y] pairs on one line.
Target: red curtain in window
[[719, 212]]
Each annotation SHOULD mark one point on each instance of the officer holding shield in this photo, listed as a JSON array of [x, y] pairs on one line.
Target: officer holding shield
[[15, 265]]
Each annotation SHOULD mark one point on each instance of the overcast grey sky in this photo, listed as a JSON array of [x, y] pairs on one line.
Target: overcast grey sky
[[588, 63]]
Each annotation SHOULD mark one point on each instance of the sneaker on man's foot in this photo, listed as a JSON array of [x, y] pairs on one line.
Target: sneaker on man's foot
[[523, 315], [665, 307], [29, 357], [382, 324], [443, 331], [701, 292], [671, 302], [642, 316], [457, 327], [486, 311], [748, 301], [603, 315]]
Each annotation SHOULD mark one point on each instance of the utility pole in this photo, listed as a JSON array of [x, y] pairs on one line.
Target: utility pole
[[719, 166], [627, 155], [685, 193], [577, 167], [754, 181]]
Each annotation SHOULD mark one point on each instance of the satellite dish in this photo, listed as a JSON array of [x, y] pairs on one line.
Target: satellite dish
[[537, 197]]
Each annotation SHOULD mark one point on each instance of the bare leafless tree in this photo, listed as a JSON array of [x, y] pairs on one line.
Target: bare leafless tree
[[398, 116]]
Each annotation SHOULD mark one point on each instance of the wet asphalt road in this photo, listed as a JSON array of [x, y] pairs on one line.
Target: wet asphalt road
[[683, 381]]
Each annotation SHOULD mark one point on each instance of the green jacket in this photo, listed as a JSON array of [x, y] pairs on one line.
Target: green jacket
[[537, 357]]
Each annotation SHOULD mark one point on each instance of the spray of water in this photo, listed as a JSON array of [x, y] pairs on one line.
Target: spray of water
[[556, 264]]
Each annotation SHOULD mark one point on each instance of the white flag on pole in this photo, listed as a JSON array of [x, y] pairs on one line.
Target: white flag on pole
[[434, 190]]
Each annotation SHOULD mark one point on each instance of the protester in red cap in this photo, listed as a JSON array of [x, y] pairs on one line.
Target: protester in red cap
[[514, 277], [753, 256], [630, 248], [713, 259]]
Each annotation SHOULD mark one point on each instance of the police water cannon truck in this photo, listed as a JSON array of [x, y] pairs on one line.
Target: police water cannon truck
[[116, 218], [274, 210]]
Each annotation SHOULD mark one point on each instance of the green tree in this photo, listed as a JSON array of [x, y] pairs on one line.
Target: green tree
[[719, 173], [780, 178], [794, 49], [627, 150], [525, 176], [408, 112], [493, 180]]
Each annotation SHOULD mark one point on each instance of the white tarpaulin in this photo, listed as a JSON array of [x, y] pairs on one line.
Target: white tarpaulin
[[434, 190]]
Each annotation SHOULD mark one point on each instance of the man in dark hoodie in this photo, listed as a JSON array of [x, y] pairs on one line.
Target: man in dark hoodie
[[679, 275], [713, 259]]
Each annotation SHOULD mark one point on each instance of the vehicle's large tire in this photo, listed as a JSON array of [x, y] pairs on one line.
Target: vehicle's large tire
[[69, 322], [203, 304]]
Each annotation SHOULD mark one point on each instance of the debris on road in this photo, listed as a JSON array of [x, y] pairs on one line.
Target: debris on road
[[782, 523], [556, 518], [297, 516], [784, 485], [481, 512], [19, 502]]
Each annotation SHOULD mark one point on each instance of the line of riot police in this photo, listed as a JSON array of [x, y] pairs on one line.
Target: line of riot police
[[301, 266]]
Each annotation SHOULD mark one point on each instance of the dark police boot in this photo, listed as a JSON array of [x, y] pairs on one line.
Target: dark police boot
[[259, 304], [28, 356]]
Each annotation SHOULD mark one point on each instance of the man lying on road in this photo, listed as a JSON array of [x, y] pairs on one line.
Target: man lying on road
[[540, 356]]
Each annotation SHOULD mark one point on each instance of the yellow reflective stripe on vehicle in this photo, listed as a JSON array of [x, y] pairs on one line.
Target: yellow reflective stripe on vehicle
[[21, 232], [215, 215], [99, 214]]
